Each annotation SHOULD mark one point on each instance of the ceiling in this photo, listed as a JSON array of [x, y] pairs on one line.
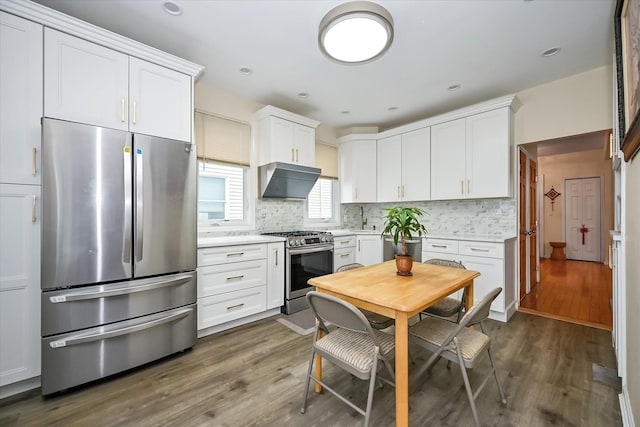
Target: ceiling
[[490, 48]]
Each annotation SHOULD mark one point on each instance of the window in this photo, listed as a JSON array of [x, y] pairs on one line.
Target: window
[[221, 194], [322, 206]]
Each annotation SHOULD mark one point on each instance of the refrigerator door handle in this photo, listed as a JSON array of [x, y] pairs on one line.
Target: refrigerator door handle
[[82, 338], [80, 296], [139, 205], [126, 231]]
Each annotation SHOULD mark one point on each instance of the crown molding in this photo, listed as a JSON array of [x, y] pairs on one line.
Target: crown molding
[[75, 27], [270, 110]]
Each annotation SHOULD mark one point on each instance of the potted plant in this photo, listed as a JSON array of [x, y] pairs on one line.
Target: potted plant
[[402, 223]]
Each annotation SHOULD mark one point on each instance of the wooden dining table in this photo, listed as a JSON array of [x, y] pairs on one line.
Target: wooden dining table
[[379, 289]]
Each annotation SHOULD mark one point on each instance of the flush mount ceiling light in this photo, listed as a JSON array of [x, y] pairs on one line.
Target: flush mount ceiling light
[[172, 8], [356, 32]]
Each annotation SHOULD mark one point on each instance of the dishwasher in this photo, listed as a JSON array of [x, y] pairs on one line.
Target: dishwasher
[[390, 250]]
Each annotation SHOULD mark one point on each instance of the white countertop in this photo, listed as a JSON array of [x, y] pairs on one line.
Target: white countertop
[[209, 242], [494, 238]]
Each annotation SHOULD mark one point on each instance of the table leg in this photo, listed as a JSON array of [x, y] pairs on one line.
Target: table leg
[[318, 364], [468, 296], [402, 369]]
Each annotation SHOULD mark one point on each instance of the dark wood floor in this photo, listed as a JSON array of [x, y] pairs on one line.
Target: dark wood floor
[[253, 376], [574, 291]]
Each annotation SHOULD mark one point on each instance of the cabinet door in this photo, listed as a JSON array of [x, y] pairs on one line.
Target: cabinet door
[[488, 155], [84, 82], [275, 275], [491, 276], [448, 160], [389, 169], [19, 282], [21, 100], [160, 101], [305, 145], [357, 174], [276, 142], [416, 165], [369, 249]]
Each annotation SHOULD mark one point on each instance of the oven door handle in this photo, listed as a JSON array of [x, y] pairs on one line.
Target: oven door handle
[[301, 251]]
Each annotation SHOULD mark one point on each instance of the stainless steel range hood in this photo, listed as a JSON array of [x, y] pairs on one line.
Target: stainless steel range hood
[[287, 181]]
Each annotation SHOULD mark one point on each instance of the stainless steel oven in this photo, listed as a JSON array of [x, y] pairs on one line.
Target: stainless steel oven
[[308, 254]]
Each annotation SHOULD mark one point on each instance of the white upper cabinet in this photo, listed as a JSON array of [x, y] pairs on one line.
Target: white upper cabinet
[[160, 101], [88, 83], [404, 169], [20, 100], [358, 171], [470, 157], [286, 137]]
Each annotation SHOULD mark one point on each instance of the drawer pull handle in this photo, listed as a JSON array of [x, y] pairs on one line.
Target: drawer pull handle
[[344, 242], [344, 255], [235, 277], [479, 249], [235, 307], [439, 246], [235, 254]]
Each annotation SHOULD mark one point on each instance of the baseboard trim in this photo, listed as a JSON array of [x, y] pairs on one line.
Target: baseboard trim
[[625, 408], [238, 322]]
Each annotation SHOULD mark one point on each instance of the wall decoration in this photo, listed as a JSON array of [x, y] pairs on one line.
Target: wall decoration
[[627, 34], [553, 195]]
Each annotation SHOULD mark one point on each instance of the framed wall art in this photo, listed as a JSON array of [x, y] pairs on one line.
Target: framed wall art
[[627, 29]]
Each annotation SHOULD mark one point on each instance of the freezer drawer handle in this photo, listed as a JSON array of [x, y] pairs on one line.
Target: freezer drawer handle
[[80, 296], [81, 339]]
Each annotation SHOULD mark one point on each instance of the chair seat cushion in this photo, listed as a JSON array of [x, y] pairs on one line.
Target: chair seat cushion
[[378, 321], [433, 332], [354, 348], [446, 307]]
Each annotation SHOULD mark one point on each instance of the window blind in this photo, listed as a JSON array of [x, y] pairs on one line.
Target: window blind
[[327, 160], [222, 139]]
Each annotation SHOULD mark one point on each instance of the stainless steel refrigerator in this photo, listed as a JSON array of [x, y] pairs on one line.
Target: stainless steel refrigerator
[[118, 251]]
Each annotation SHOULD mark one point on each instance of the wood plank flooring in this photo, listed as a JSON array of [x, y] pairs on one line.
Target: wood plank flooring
[[254, 376], [574, 291]]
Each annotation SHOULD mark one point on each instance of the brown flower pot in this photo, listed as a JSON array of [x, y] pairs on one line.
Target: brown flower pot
[[404, 263]]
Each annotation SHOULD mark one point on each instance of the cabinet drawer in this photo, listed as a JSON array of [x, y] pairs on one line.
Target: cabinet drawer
[[217, 309], [343, 257], [344, 242], [441, 245], [484, 249], [227, 254], [218, 279], [439, 255]]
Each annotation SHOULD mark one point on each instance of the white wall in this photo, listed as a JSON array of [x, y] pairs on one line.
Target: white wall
[[575, 105]]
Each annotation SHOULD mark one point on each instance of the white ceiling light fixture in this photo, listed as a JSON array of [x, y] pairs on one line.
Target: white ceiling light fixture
[[172, 8], [356, 32]]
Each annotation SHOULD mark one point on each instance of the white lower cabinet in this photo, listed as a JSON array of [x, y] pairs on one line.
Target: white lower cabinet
[[19, 283], [494, 260], [344, 251], [368, 249], [238, 281]]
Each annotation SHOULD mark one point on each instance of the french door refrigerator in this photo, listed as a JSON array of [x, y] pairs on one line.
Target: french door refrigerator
[[118, 251]]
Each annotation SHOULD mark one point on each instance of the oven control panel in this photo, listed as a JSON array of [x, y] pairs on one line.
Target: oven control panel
[[310, 241]]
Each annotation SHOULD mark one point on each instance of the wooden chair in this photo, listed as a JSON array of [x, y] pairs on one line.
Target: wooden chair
[[459, 344], [378, 321], [354, 346]]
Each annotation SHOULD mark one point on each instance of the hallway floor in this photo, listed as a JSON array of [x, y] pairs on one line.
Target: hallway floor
[[574, 291]]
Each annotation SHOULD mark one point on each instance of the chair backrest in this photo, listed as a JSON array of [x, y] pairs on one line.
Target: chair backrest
[[345, 315], [445, 263], [347, 267], [475, 315]]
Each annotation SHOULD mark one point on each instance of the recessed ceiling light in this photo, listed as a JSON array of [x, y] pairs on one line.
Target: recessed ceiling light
[[356, 32], [550, 52], [246, 71], [172, 8], [392, 108], [303, 95], [454, 87], [345, 112]]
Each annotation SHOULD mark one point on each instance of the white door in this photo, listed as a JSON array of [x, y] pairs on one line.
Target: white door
[[84, 82], [416, 165], [389, 156], [21, 99], [19, 282], [305, 145], [369, 249], [160, 101], [448, 160], [582, 219]]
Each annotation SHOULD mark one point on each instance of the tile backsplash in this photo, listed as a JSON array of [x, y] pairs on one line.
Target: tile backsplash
[[479, 217]]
